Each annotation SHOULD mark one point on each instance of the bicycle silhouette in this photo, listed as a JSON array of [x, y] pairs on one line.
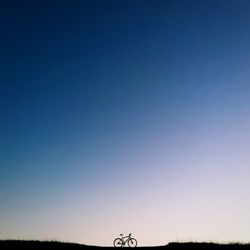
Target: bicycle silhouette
[[120, 242]]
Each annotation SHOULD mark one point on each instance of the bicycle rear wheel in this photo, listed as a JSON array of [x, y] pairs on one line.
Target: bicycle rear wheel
[[118, 242], [132, 242]]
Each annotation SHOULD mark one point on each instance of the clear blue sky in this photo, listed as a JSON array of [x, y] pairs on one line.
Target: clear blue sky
[[125, 116]]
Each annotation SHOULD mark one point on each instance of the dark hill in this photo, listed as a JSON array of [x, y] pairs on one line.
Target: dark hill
[[206, 246], [54, 245], [41, 245]]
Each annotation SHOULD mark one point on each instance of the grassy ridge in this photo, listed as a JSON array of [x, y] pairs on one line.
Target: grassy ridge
[[40, 245], [44, 245], [206, 246]]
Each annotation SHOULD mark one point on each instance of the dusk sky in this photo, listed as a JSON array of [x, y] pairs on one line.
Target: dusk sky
[[125, 116]]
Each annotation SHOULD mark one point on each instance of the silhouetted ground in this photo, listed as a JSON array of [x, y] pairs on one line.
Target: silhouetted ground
[[206, 246], [41, 245], [54, 245]]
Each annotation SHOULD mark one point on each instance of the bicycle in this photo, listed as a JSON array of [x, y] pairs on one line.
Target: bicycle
[[120, 242]]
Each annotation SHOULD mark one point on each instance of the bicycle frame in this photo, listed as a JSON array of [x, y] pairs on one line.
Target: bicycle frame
[[124, 237]]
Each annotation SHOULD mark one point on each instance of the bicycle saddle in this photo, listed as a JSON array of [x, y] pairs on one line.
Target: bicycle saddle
[[121, 234]]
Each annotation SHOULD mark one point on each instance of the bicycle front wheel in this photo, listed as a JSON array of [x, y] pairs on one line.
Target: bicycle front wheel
[[117, 242], [132, 242]]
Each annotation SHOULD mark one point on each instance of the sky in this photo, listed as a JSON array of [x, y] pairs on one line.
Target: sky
[[125, 117]]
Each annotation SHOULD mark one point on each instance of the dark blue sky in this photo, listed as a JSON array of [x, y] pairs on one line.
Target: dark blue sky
[[92, 89]]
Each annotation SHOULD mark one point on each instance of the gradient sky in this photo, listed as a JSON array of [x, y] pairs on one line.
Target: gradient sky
[[125, 116]]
